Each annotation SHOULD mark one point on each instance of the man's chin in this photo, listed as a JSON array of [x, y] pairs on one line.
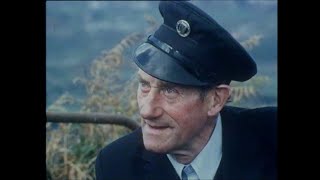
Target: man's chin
[[154, 146], [155, 149], [157, 143]]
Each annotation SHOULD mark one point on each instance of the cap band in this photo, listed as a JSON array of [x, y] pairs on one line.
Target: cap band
[[187, 64]]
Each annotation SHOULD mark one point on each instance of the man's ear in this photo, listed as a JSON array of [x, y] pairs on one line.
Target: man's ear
[[218, 98]]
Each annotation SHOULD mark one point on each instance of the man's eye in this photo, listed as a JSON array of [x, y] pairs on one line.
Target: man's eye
[[144, 87], [171, 92]]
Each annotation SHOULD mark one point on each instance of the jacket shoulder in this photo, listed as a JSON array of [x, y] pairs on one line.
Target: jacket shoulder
[[262, 116], [260, 123], [251, 139]]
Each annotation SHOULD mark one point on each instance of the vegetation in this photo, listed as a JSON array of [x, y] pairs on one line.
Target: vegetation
[[71, 149]]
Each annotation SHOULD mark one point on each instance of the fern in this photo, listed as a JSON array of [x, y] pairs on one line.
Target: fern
[[241, 92]]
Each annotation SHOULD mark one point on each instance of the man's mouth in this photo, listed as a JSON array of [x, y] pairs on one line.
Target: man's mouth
[[157, 127]]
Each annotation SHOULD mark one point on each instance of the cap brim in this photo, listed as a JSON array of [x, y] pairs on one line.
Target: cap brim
[[160, 65]]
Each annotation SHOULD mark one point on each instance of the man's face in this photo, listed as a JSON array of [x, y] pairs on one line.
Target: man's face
[[173, 117]]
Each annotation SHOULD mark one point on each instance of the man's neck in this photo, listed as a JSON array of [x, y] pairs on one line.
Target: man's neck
[[188, 153]]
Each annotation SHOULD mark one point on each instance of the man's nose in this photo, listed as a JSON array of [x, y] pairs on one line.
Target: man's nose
[[150, 107]]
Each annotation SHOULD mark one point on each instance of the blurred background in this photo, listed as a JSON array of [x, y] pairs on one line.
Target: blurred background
[[89, 45]]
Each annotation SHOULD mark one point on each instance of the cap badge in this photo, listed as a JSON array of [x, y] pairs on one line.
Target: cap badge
[[183, 28]]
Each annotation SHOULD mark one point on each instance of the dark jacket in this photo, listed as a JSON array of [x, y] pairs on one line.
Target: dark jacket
[[249, 151]]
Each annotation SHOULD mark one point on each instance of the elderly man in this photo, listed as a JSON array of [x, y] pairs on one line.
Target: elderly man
[[187, 132]]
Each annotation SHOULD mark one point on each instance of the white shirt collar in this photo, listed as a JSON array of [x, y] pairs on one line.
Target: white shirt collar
[[207, 161]]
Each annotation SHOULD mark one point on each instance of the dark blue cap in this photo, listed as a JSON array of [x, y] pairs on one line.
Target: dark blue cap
[[191, 48]]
